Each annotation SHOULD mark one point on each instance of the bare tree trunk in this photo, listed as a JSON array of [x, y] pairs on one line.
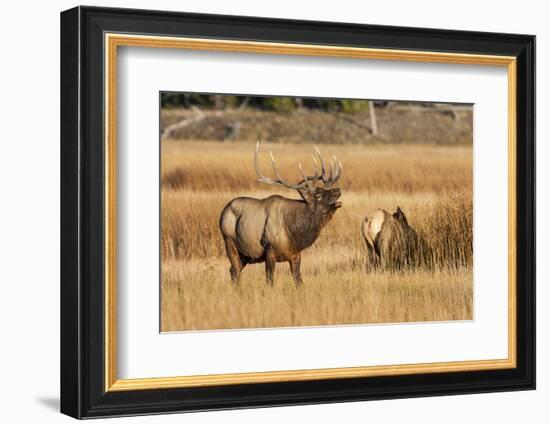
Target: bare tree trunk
[[218, 101], [244, 104], [169, 130], [374, 127]]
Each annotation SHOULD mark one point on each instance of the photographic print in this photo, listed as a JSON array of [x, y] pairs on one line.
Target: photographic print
[[285, 211]]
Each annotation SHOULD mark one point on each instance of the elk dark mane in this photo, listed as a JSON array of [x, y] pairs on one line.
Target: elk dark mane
[[304, 226]]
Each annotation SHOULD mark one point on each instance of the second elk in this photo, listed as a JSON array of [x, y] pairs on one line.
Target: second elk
[[391, 242]]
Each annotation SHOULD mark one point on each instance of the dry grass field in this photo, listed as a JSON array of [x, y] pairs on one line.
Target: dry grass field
[[432, 184]]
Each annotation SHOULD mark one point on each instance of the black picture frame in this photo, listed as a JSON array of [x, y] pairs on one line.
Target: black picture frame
[[83, 392]]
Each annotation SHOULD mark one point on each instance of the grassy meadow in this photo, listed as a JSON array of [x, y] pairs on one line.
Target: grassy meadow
[[431, 183]]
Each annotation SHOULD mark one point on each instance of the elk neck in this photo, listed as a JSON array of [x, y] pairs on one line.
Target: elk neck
[[304, 225]]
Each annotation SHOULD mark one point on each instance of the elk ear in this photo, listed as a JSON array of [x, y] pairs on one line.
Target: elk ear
[[400, 215], [306, 196]]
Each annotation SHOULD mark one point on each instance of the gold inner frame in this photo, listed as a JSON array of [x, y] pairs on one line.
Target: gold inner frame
[[113, 41]]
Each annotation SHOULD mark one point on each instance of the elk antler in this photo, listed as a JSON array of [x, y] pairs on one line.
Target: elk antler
[[336, 167], [279, 181]]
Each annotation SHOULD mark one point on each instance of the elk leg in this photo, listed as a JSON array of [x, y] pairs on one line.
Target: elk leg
[[374, 257], [270, 260], [234, 259], [380, 254], [295, 269]]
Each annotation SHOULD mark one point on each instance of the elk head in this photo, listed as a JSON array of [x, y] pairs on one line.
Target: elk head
[[316, 190], [399, 215]]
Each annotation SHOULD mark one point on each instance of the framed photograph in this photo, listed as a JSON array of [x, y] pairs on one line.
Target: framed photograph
[[261, 212]]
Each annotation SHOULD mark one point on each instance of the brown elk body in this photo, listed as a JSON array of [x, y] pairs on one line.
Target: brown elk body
[[391, 242], [278, 229]]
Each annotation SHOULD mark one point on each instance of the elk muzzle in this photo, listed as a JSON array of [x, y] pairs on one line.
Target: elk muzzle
[[334, 196]]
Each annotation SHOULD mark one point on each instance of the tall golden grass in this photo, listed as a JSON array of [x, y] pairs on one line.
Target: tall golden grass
[[432, 184]]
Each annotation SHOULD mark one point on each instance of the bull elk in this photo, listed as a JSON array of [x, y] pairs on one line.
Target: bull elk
[[391, 242], [277, 229]]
